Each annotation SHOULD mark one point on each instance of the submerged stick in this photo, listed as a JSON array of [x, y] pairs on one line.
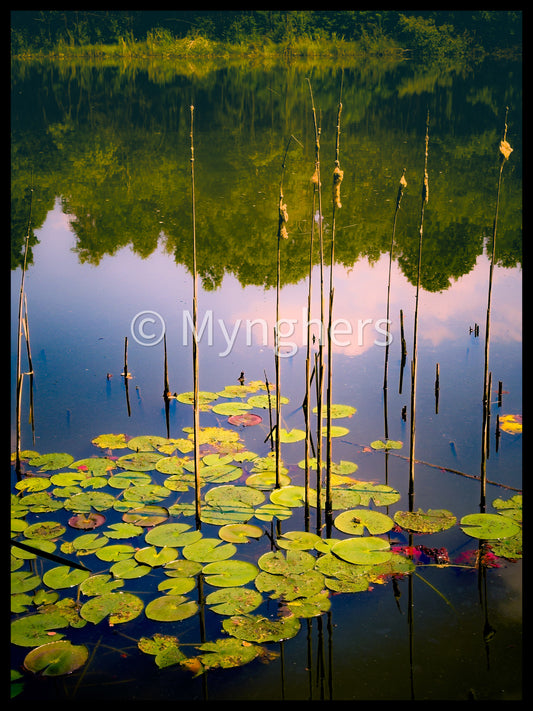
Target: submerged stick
[[125, 374], [196, 416]]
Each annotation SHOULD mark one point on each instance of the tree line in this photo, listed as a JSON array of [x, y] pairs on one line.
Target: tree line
[[428, 32]]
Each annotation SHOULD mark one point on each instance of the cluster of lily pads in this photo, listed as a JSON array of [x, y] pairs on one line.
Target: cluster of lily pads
[[125, 501]]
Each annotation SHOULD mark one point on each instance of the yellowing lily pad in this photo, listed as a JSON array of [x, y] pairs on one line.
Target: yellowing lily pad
[[512, 424], [239, 532], [234, 601], [256, 628], [110, 441], [117, 607], [428, 521]]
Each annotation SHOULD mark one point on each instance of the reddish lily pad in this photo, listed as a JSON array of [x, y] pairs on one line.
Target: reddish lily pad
[[247, 419], [86, 521]]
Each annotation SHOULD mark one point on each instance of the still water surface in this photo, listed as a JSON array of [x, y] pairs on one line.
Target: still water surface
[[107, 152]]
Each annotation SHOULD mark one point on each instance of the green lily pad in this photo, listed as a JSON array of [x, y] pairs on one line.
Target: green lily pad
[[34, 483], [171, 465], [298, 540], [291, 496], [280, 563], [380, 494], [40, 502], [56, 460], [56, 658], [335, 431], [139, 461], [100, 584], [177, 586], [489, 526], [123, 530], [183, 568], [290, 586], [234, 601], [428, 521], [204, 398], [386, 444], [229, 573], [165, 648], [110, 441], [227, 653], [263, 401], [231, 408], [363, 550], [266, 481], [310, 605], [117, 607], [170, 608], [96, 466], [208, 550], [172, 534], [23, 580], [511, 507], [256, 628], [129, 569], [84, 502], [45, 529], [220, 473], [356, 521], [113, 553], [69, 478], [123, 480], [33, 630], [89, 542], [146, 493], [268, 512], [147, 443], [154, 557], [64, 577], [336, 411], [288, 436]]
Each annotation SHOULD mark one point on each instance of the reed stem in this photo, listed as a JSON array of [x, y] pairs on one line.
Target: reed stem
[[425, 196], [505, 151], [196, 416]]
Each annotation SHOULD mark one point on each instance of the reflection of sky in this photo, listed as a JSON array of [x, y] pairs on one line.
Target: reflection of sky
[[79, 316]]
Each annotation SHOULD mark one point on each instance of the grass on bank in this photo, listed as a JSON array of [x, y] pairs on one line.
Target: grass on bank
[[161, 43]]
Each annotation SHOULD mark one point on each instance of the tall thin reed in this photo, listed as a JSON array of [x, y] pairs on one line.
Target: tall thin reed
[[338, 175], [196, 415], [319, 367], [282, 234], [505, 151], [20, 375], [425, 197]]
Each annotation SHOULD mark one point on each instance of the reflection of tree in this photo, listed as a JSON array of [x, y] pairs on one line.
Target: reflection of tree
[[114, 147]]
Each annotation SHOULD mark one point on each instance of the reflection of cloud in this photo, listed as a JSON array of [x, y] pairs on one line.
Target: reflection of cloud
[[360, 295]]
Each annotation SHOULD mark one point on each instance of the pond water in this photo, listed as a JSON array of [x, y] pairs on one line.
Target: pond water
[[101, 169]]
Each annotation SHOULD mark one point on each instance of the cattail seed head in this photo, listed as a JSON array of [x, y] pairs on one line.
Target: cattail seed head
[[338, 175]]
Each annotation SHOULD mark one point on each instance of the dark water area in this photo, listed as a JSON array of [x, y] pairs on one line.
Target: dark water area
[[101, 172]]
